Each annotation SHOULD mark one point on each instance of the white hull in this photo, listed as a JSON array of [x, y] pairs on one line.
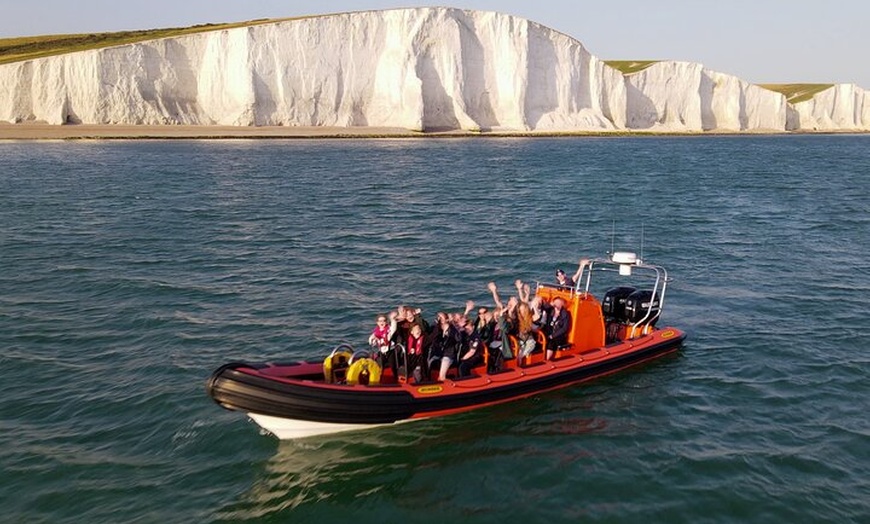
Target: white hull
[[287, 429]]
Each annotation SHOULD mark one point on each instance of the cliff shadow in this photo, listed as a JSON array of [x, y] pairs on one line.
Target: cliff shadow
[[69, 114], [641, 112], [542, 94], [438, 112], [792, 118], [350, 107], [265, 107], [706, 91], [173, 97], [476, 96], [743, 114]]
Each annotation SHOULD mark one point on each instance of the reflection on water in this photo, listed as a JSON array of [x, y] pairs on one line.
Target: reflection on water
[[340, 468], [414, 464]]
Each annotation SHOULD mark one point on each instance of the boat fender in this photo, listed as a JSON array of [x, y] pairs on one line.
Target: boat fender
[[364, 371], [333, 363]]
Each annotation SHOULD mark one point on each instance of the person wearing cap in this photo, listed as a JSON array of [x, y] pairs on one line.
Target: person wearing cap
[[563, 279], [583, 263]]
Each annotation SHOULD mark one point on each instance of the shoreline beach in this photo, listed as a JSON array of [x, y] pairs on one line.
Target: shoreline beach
[[41, 131], [37, 131]]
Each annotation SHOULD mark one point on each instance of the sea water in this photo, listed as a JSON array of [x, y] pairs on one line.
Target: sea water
[[130, 270]]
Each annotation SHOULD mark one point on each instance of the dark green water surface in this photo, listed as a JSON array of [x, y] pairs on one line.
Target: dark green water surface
[[130, 270]]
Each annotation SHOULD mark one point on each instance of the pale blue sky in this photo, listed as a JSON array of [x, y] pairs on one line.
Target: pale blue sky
[[757, 40]]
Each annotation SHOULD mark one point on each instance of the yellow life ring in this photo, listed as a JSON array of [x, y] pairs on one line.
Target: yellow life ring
[[332, 362], [362, 368]]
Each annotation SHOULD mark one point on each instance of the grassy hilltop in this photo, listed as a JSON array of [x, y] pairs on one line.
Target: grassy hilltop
[[794, 93], [30, 47], [628, 67]]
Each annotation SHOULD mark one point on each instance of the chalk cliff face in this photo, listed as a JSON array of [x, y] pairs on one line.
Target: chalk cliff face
[[412, 68], [841, 107], [684, 96], [424, 69]]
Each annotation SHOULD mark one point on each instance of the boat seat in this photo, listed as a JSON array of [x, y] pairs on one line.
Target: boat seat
[[516, 350], [540, 349], [543, 346], [561, 348]]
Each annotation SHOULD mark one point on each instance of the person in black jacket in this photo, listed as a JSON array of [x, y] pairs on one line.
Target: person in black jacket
[[558, 327], [446, 343], [471, 352]]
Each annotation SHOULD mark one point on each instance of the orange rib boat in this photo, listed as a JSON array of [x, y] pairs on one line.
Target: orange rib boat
[[348, 391]]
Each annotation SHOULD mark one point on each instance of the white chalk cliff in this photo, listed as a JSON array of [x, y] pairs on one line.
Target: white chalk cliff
[[684, 96], [423, 69], [840, 107]]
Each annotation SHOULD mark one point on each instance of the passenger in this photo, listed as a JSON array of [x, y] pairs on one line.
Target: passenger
[[491, 337], [525, 326], [433, 355], [445, 346], [524, 292], [524, 333], [495, 344], [505, 321], [540, 315], [416, 351], [489, 326], [403, 327], [484, 325], [582, 265], [564, 280], [380, 339], [456, 317], [415, 317], [559, 325], [408, 317], [382, 333], [471, 352]]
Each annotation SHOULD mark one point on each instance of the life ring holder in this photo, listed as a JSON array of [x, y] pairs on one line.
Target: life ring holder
[[338, 359], [363, 370]]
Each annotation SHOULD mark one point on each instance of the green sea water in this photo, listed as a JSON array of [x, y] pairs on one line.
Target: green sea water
[[130, 270]]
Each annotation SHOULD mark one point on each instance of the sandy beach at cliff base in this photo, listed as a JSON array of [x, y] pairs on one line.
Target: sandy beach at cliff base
[[42, 131], [37, 131]]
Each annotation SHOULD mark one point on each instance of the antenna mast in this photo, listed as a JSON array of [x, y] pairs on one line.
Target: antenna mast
[[612, 235], [641, 241]]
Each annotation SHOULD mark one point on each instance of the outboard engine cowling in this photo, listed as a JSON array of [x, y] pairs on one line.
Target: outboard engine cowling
[[613, 303], [613, 309], [642, 305]]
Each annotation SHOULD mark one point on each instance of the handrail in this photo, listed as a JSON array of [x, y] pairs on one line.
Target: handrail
[[359, 353], [396, 345], [659, 271], [608, 265], [340, 346]]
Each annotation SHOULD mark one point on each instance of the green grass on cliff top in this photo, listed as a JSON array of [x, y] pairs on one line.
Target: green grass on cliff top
[[30, 47], [628, 67], [796, 93]]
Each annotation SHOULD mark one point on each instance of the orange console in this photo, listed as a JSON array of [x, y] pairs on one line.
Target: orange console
[[587, 321]]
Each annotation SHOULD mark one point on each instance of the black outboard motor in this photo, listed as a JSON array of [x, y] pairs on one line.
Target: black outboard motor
[[613, 308], [639, 304]]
